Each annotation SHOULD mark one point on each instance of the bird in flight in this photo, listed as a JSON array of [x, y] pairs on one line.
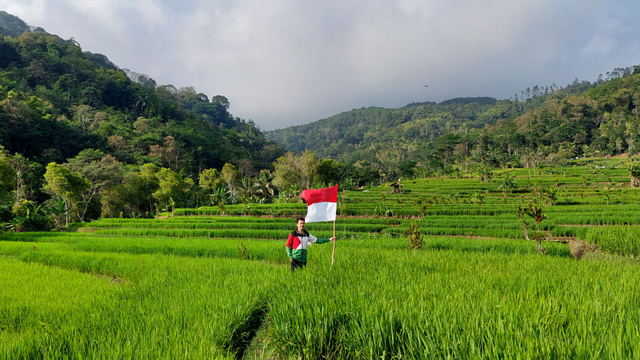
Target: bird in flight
[[426, 86]]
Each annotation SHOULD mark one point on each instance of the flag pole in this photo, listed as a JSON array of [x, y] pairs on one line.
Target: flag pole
[[334, 242], [333, 253]]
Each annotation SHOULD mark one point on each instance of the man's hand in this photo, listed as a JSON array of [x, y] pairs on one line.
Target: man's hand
[[333, 239], [291, 260]]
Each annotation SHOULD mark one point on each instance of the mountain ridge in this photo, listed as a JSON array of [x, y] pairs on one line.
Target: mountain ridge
[[531, 121]]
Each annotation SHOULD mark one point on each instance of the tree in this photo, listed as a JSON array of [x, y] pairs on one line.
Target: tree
[[552, 194], [329, 171], [308, 167], [58, 212], [7, 178], [147, 183], [66, 185], [82, 114], [536, 212], [265, 185], [66, 82], [245, 166], [170, 154], [99, 170], [21, 167], [407, 168], [634, 173], [508, 183], [30, 217], [286, 171], [172, 187], [134, 194], [210, 180], [485, 174], [477, 197], [230, 174], [247, 188], [116, 201], [219, 99]]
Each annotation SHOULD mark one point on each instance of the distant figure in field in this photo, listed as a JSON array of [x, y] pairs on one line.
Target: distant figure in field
[[297, 245]]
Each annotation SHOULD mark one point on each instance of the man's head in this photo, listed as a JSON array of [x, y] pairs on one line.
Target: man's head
[[300, 224]]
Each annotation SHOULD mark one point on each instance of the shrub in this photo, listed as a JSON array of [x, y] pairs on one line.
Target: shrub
[[415, 237]]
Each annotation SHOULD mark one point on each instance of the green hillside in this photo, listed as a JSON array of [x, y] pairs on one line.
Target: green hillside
[[59, 104], [541, 126], [58, 100], [11, 25], [127, 232]]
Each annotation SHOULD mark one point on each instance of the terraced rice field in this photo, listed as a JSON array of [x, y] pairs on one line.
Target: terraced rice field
[[209, 286]]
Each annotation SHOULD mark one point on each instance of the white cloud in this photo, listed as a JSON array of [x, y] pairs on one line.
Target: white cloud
[[151, 12], [112, 13], [34, 9], [282, 62]]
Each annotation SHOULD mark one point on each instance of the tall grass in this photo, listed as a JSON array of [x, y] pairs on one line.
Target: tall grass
[[623, 240], [183, 288], [458, 305], [166, 307]]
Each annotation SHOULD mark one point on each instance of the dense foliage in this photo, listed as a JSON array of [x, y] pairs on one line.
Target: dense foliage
[[543, 126], [81, 140], [56, 101], [61, 107]]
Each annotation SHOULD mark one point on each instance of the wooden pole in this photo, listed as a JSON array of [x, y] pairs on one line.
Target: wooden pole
[[334, 243]]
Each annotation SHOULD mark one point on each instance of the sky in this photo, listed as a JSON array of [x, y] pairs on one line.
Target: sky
[[286, 62]]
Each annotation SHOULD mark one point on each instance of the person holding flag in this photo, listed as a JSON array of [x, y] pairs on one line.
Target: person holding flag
[[321, 206]]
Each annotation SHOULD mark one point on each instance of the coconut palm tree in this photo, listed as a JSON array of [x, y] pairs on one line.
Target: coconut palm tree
[[247, 187], [265, 185]]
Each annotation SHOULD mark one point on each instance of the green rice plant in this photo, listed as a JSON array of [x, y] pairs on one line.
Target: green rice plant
[[448, 304], [624, 240], [246, 225], [164, 307], [227, 219], [494, 233], [231, 233], [198, 283], [564, 231], [36, 296]]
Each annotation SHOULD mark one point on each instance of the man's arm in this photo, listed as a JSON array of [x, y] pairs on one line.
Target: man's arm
[[289, 246], [320, 240]]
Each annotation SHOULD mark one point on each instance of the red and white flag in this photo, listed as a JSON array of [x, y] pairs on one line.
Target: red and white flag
[[321, 204]]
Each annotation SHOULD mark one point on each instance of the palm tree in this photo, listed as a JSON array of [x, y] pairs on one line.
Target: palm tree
[[508, 184], [552, 194], [453, 196], [536, 212], [634, 173], [247, 187], [477, 197], [265, 185]]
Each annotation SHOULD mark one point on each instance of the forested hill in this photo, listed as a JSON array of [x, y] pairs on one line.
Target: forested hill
[[56, 100], [542, 123], [362, 133]]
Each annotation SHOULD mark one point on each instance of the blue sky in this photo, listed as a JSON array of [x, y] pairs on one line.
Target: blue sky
[[286, 62]]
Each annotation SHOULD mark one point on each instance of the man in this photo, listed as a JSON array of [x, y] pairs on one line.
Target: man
[[297, 245]]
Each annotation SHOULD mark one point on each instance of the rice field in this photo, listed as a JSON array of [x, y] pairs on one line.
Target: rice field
[[205, 286]]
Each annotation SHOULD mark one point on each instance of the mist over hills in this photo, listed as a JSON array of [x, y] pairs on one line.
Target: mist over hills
[[11, 25]]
